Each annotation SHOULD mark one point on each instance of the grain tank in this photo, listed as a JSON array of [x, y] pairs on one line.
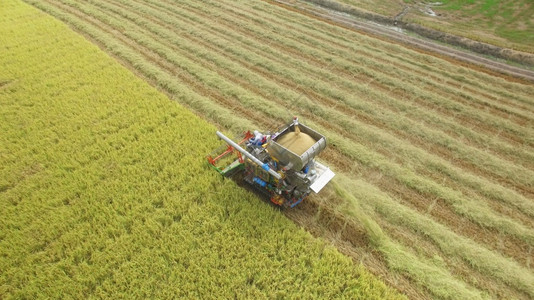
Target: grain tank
[[281, 164]]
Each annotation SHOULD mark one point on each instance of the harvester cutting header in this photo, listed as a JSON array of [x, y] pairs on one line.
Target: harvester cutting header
[[281, 164]]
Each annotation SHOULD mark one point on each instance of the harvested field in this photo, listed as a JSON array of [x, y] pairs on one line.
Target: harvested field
[[435, 160]]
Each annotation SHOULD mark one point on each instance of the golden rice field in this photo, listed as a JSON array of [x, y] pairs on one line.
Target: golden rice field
[[435, 160], [104, 191]]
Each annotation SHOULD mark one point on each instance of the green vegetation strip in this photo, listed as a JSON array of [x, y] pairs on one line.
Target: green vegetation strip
[[105, 193], [505, 23]]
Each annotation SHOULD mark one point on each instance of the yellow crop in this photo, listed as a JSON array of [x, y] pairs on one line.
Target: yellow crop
[[105, 193]]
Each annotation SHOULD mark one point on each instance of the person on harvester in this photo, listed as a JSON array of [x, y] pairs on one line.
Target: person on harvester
[[258, 139]]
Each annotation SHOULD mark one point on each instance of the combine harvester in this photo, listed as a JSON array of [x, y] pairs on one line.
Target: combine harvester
[[280, 164]]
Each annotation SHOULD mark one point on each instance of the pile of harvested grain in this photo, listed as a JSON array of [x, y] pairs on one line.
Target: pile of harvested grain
[[297, 143]]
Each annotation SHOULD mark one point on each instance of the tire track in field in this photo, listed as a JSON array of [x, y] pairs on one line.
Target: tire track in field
[[461, 269], [444, 213], [323, 221]]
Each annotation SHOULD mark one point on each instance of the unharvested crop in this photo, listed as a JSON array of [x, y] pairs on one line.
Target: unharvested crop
[[105, 193], [504, 23]]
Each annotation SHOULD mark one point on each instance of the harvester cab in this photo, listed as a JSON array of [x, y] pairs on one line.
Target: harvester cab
[[281, 164]]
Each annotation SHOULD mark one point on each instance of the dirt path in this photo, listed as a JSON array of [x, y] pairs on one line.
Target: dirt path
[[391, 33]]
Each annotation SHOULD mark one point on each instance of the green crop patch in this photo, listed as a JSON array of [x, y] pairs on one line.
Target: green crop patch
[[104, 191]]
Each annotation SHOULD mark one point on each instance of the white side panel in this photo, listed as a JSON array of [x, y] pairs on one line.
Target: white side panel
[[322, 180]]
